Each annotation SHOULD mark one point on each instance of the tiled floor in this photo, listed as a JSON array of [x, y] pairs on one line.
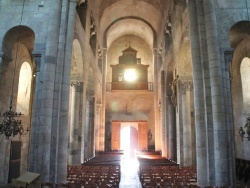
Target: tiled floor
[[129, 174]]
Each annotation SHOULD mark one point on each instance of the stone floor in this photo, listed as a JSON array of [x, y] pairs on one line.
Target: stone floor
[[129, 173]]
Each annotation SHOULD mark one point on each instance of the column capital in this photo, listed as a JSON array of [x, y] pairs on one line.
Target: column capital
[[186, 85], [75, 83], [104, 51], [75, 1], [98, 107], [89, 98], [37, 60], [155, 51], [228, 57]]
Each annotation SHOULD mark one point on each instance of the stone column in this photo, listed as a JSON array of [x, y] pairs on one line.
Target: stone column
[[224, 174], [74, 152], [97, 127], [41, 143], [199, 103], [156, 107], [86, 128], [92, 127], [171, 132], [163, 115], [186, 118], [102, 126], [89, 126], [60, 111]]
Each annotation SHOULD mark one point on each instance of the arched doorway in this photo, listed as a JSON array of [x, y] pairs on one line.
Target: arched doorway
[[129, 137]]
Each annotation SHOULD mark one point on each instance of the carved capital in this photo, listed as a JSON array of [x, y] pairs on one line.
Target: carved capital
[[104, 51], [98, 107], [89, 98], [155, 51], [186, 85], [75, 83], [37, 60], [228, 57]]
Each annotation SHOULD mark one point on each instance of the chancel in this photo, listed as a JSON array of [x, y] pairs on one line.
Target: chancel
[[125, 93]]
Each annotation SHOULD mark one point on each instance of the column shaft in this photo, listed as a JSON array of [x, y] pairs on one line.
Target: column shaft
[[163, 115], [200, 113], [42, 128], [221, 133], [171, 132], [97, 127], [158, 140], [74, 152], [86, 130], [104, 82], [186, 118]]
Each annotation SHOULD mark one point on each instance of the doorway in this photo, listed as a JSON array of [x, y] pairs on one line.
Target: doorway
[[129, 137]]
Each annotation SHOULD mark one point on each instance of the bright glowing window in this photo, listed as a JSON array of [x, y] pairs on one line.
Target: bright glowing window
[[130, 75], [24, 88], [245, 80]]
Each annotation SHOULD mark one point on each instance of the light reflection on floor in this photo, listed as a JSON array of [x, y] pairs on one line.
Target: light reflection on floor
[[129, 173]]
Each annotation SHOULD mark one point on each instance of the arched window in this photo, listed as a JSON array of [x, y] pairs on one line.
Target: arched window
[[245, 81], [24, 88]]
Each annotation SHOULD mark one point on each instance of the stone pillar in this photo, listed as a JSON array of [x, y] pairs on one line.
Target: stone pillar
[[163, 115], [213, 130], [40, 161], [86, 128], [92, 127], [74, 152], [186, 118], [89, 128], [224, 174], [60, 111], [200, 113], [156, 107], [102, 126], [50, 128], [171, 132], [97, 127]]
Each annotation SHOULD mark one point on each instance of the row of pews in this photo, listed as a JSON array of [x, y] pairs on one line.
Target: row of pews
[[152, 176], [158, 172], [102, 171]]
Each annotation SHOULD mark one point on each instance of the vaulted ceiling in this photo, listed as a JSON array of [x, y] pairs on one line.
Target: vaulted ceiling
[[142, 18]]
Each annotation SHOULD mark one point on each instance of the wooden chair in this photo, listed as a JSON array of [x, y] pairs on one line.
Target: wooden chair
[[74, 185], [47, 184], [165, 185], [180, 185], [90, 186], [61, 185]]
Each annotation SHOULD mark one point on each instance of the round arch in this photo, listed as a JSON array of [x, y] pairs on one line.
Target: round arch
[[105, 36], [22, 34], [238, 32]]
